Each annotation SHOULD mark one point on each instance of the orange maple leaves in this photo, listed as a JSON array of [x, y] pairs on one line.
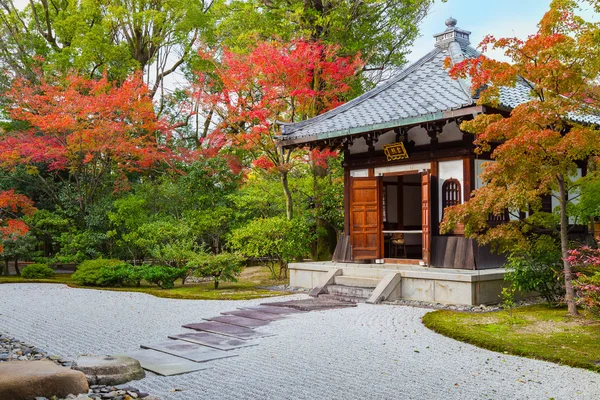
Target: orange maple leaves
[[12, 207]]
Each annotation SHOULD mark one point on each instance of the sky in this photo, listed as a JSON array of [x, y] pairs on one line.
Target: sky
[[501, 18]]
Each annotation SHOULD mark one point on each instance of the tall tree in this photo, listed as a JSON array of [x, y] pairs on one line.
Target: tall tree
[[85, 133], [91, 36], [274, 82], [537, 147], [381, 31]]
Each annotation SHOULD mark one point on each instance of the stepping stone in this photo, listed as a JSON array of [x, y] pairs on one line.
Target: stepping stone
[[165, 364], [254, 315], [109, 370], [239, 321], [215, 341], [228, 330], [274, 309], [191, 351]]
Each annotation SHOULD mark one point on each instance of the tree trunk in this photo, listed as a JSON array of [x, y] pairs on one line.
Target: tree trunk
[[17, 266], [5, 272], [564, 246], [289, 207], [216, 284]]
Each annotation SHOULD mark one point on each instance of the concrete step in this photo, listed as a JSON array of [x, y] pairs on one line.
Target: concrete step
[[347, 299], [351, 291], [356, 281]]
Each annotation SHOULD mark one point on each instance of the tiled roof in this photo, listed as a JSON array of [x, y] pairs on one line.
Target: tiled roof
[[421, 89], [420, 93]]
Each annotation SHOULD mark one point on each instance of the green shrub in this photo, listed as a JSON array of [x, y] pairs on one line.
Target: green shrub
[[163, 276], [276, 240], [538, 269], [99, 272], [118, 274], [37, 271], [224, 267]]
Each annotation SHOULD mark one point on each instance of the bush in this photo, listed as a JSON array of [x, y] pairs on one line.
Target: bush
[[586, 261], [538, 269], [277, 240], [224, 267], [37, 271], [163, 276], [101, 272]]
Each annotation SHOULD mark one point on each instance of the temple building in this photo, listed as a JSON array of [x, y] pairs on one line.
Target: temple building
[[406, 160]]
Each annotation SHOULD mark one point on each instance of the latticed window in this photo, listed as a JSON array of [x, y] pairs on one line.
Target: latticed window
[[450, 193]]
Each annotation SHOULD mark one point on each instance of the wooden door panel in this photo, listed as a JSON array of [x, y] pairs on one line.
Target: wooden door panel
[[365, 218]]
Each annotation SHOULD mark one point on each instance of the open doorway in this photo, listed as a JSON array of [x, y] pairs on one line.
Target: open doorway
[[402, 217]]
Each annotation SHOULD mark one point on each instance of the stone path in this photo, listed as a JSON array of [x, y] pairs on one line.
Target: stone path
[[215, 340], [366, 352]]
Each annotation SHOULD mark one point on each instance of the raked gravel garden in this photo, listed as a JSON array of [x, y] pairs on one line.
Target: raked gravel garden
[[366, 352]]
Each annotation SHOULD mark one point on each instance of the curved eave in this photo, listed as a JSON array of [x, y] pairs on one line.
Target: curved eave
[[410, 121]]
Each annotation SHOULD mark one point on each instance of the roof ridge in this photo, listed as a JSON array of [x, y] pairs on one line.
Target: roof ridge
[[365, 96]]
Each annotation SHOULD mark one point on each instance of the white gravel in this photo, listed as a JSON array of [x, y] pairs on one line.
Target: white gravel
[[367, 352]]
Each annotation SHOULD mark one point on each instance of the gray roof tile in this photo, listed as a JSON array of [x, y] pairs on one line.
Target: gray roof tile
[[424, 88]]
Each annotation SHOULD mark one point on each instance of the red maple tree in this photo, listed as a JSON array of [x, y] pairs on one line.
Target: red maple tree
[[251, 93], [537, 148], [83, 130], [12, 207]]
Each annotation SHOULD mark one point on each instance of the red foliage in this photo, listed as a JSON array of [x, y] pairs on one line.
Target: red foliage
[[12, 206], [273, 82], [320, 157], [79, 122]]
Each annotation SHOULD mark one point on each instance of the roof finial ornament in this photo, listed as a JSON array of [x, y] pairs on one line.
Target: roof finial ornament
[[451, 22]]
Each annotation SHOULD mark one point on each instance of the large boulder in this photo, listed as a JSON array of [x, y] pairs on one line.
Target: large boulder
[[109, 370], [21, 380]]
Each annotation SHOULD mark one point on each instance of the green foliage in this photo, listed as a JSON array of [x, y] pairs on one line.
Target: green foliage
[[588, 292], [275, 240], [223, 267], [507, 295], [378, 29], [163, 276], [100, 272], [37, 271], [537, 269]]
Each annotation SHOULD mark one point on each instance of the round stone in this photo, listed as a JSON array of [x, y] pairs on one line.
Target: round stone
[[109, 370]]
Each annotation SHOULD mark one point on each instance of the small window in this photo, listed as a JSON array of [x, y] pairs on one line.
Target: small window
[[450, 193]]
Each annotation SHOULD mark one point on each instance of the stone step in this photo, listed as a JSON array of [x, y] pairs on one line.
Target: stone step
[[351, 291], [356, 281], [345, 299]]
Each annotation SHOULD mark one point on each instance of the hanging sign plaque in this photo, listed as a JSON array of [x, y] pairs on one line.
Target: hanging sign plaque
[[395, 151]]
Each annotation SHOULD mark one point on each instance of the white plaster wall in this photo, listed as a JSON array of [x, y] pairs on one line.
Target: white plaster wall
[[447, 170], [478, 170], [451, 133], [359, 146], [418, 135], [359, 173], [402, 168]]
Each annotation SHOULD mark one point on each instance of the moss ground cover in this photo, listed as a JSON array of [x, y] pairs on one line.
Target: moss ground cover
[[247, 287], [534, 331]]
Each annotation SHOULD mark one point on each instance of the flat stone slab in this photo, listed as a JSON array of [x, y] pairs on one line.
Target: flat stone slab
[[215, 341], [109, 370], [239, 321], [21, 380], [165, 364], [274, 309], [228, 330], [191, 351], [315, 304], [254, 315]]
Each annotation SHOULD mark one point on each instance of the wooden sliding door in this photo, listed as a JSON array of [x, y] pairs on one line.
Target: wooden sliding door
[[366, 218]]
